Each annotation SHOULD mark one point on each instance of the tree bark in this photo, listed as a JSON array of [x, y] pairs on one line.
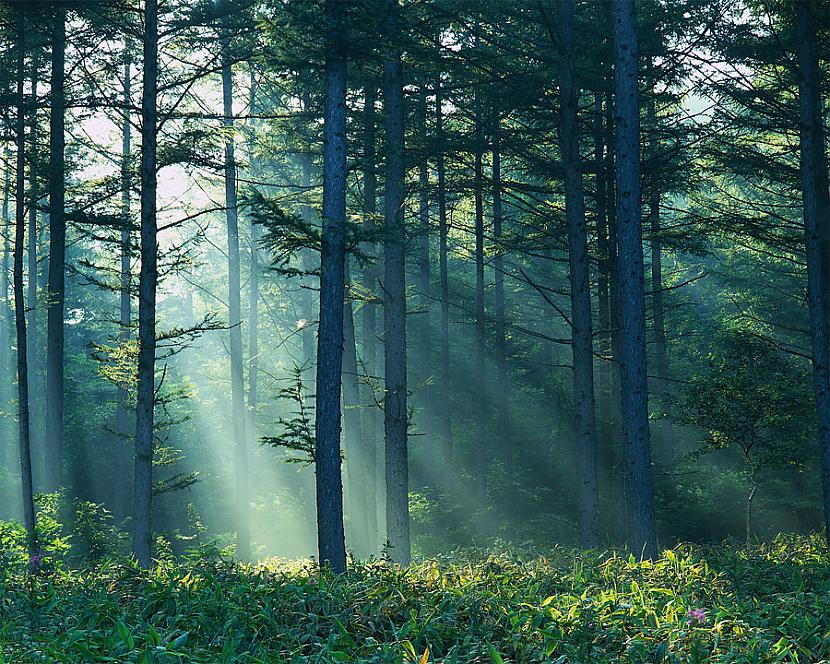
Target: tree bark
[[394, 298], [603, 304], [371, 421], [816, 211], [578, 261], [242, 516], [19, 303], [57, 249], [631, 284], [330, 535], [148, 278], [444, 372]]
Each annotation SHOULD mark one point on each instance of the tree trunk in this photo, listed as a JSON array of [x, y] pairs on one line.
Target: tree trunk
[[445, 412], [371, 421], [148, 278], [57, 249], [242, 516], [480, 451], [502, 387], [632, 295], [394, 298], [330, 536], [814, 182], [253, 286], [34, 349], [748, 511], [661, 357], [122, 413], [603, 304], [353, 426], [422, 279], [582, 331], [19, 304], [6, 316]]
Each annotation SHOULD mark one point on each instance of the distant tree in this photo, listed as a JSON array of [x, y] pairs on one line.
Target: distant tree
[[751, 397], [394, 296]]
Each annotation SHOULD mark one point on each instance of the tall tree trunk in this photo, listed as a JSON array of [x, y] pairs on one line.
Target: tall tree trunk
[[34, 349], [480, 451], [308, 341], [422, 279], [148, 278], [371, 421], [394, 297], [353, 426], [253, 286], [57, 249], [632, 295], [814, 182], [502, 388], [242, 516], [582, 330], [19, 303], [330, 536], [661, 356], [6, 316], [603, 304], [122, 413], [445, 413]]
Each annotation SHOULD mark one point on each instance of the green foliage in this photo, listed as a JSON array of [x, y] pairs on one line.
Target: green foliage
[[766, 603]]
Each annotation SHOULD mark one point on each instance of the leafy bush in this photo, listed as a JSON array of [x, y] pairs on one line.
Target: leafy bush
[[765, 603]]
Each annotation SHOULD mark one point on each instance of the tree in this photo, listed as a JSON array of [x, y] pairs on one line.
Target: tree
[[242, 518], [148, 279], [816, 212], [19, 303], [330, 536], [631, 286], [57, 256], [394, 296], [582, 330]]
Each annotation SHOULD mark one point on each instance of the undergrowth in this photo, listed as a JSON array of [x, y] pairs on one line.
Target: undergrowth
[[764, 603]]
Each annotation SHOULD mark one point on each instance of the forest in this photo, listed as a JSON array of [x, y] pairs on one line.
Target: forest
[[414, 331]]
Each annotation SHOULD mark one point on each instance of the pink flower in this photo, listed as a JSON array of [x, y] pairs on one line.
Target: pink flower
[[695, 616]]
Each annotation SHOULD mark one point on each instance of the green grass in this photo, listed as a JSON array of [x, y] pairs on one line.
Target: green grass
[[766, 603]]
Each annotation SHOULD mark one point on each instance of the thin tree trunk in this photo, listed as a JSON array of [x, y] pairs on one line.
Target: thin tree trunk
[[148, 278], [34, 349], [371, 421], [394, 298], [445, 412], [422, 280], [602, 249], [19, 304], [353, 426], [57, 249], [661, 357], [632, 292], [308, 341], [814, 182], [242, 516], [502, 389], [122, 413], [578, 261], [480, 451], [253, 286], [330, 538], [6, 316]]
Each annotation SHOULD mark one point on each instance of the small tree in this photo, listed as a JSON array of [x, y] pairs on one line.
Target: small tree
[[752, 397]]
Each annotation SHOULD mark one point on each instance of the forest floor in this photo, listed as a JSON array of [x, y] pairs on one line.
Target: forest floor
[[764, 603]]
